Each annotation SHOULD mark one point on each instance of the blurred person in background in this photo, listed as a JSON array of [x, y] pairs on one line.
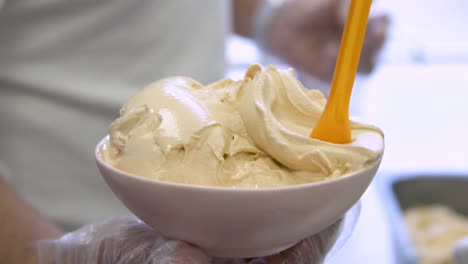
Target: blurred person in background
[[67, 66]]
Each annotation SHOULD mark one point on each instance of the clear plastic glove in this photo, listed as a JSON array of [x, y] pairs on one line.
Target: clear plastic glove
[[460, 255], [129, 240], [123, 239], [307, 35]]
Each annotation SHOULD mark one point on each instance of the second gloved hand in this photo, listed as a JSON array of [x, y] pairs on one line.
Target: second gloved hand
[[307, 35]]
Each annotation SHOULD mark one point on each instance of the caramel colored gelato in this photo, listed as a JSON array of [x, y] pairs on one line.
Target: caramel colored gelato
[[252, 133]]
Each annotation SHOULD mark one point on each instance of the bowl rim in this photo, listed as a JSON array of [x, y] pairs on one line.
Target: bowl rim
[[101, 162]]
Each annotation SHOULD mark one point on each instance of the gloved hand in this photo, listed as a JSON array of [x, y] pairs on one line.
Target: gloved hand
[[307, 35], [129, 240]]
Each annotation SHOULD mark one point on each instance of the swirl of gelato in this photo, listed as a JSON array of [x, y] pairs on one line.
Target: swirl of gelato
[[279, 114]]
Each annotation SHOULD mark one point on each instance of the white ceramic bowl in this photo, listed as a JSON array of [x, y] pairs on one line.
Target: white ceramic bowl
[[228, 222]]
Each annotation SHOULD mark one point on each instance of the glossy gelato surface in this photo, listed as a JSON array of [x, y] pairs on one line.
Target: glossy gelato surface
[[252, 133]]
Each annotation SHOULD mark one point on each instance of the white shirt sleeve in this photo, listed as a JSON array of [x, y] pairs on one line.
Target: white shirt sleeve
[[4, 172]]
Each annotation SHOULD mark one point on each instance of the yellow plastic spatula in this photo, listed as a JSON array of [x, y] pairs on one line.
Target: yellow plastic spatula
[[333, 125]]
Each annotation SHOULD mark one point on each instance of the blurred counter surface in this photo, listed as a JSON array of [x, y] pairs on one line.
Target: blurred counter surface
[[423, 110]]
